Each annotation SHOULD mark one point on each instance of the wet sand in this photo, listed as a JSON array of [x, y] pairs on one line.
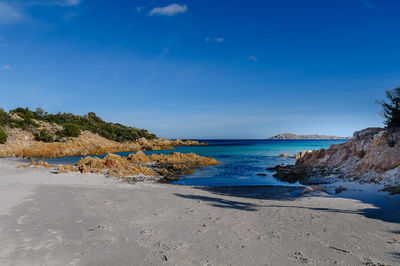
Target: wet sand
[[87, 219]]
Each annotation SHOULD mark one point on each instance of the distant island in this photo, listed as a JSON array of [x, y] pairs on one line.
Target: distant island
[[294, 136]]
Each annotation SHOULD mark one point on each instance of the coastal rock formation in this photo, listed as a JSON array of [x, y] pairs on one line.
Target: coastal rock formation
[[22, 144], [301, 154], [138, 157], [284, 155], [113, 165], [86, 143], [294, 136], [372, 155], [136, 167], [176, 164], [182, 158]]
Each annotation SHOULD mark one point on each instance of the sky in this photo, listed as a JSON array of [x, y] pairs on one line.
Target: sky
[[204, 69]]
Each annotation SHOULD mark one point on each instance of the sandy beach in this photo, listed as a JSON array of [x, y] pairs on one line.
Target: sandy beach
[[88, 219]]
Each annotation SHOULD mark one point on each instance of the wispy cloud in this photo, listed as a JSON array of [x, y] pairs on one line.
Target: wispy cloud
[[219, 40], [72, 2], [9, 14], [253, 58], [140, 9], [6, 67], [63, 2], [368, 4], [170, 10], [70, 15]]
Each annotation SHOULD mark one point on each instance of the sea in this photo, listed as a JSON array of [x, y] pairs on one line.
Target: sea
[[242, 162]]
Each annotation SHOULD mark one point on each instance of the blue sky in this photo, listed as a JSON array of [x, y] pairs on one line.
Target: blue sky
[[204, 69]]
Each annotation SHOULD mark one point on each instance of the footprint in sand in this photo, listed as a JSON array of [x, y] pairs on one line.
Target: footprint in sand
[[299, 257]]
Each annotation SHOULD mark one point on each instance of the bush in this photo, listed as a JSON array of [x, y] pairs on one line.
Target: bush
[[73, 124], [44, 135], [4, 117], [70, 130], [3, 136], [391, 109]]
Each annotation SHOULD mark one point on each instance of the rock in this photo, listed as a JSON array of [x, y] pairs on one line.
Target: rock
[[340, 189], [301, 154], [372, 155], [138, 157], [113, 165], [290, 173], [166, 168], [393, 190], [367, 133], [16, 117], [263, 174], [21, 143], [183, 158], [61, 170], [312, 189], [35, 164], [284, 155]]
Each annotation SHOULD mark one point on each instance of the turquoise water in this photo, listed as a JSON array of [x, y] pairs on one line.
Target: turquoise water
[[240, 160]]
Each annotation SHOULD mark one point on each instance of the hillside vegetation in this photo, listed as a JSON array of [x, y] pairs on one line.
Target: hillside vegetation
[[70, 125]]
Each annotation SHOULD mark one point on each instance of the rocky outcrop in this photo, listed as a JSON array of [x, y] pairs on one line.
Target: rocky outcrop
[[294, 136], [372, 155], [114, 165], [301, 154], [86, 143], [21, 143], [137, 166]]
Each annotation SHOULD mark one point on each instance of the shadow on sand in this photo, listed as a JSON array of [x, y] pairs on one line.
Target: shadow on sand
[[384, 207]]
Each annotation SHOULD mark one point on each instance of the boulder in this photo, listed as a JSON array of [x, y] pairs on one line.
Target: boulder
[[314, 188], [340, 189], [138, 157], [301, 154]]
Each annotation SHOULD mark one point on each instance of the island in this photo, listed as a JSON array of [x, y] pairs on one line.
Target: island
[[299, 137]]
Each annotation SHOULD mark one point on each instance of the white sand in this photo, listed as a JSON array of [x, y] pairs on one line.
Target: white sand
[[85, 219]]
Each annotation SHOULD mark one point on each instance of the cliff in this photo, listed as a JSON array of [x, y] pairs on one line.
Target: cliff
[[372, 155], [294, 136]]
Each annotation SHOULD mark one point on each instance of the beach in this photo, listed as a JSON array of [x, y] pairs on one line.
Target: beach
[[88, 219]]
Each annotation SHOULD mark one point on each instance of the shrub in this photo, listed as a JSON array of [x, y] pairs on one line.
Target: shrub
[[3, 136], [44, 135], [73, 124], [70, 130], [391, 109], [4, 117]]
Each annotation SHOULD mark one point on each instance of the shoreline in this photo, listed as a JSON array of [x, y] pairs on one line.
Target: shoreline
[[81, 219]]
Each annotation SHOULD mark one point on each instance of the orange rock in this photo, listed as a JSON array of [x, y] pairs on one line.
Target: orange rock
[[138, 157], [183, 158]]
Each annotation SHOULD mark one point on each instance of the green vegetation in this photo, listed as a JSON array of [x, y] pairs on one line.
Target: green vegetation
[[73, 124], [25, 122], [4, 118], [70, 130], [44, 135], [95, 124], [391, 109], [3, 136]]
